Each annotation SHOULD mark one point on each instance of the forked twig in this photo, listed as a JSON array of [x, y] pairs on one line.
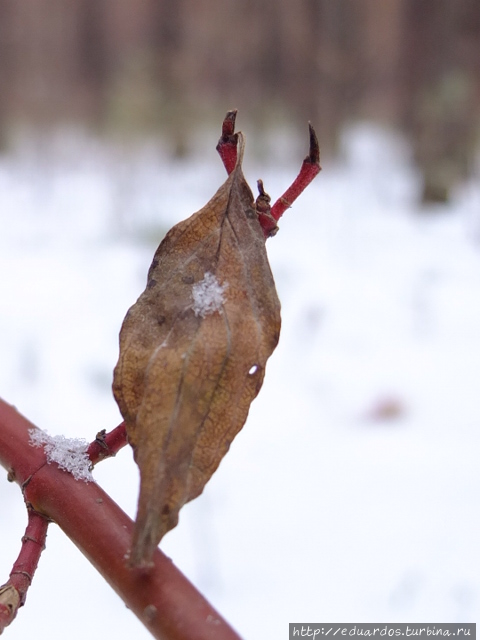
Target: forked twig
[[269, 216]]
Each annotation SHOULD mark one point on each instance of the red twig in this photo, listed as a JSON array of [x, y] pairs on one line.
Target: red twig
[[310, 168], [14, 592], [163, 599], [108, 444], [227, 145], [269, 216], [264, 212]]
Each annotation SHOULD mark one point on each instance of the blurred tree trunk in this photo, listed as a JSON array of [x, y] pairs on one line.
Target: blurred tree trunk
[[92, 56], [5, 71], [379, 64], [337, 55], [170, 72], [441, 80]]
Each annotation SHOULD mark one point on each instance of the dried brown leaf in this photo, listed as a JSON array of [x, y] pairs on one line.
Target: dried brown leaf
[[193, 351]]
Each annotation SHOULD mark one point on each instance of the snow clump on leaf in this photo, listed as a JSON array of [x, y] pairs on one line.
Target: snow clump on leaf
[[208, 295]]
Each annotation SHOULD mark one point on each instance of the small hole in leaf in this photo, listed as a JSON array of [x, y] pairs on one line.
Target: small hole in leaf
[[253, 370]]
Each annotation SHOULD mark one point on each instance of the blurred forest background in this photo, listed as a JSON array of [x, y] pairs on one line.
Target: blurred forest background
[[166, 66]]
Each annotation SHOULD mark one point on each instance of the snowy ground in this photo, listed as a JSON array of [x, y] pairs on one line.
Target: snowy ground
[[352, 494]]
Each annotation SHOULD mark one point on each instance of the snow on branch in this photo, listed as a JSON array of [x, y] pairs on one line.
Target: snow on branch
[[69, 453]]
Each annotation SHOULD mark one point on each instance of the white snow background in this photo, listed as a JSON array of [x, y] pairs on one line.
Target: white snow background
[[352, 493]]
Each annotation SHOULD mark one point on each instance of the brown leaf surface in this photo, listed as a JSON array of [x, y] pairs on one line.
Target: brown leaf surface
[[193, 350]]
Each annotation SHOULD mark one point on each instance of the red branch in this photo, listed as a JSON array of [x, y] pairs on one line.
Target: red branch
[[227, 145], [108, 444], [162, 598], [14, 592], [268, 217], [309, 169]]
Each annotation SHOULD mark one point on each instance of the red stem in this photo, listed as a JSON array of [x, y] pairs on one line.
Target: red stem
[[108, 444], [268, 217], [163, 599], [310, 168], [14, 592], [227, 145]]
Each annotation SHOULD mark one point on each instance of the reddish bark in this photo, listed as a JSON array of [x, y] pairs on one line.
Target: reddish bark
[[309, 169], [227, 145], [14, 592], [107, 445], [163, 599], [269, 216]]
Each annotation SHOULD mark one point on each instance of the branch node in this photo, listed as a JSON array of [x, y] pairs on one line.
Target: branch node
[[26, 538], [24, 573], [25, 483], [100, 439], [106, 445]]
